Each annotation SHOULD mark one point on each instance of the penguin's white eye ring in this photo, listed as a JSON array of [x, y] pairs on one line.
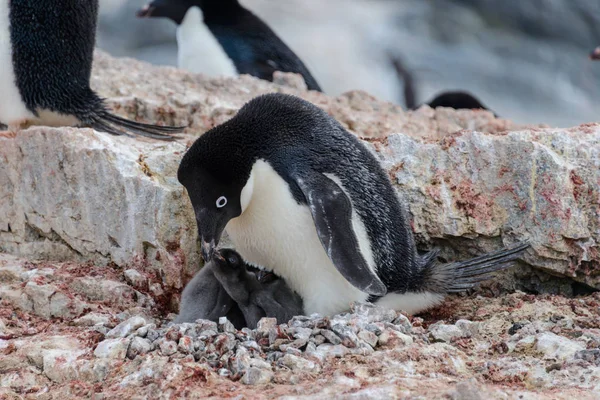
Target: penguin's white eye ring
[[221, 202]]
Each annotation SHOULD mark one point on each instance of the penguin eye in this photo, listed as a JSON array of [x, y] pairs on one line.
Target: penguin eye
[[221, 202], [232, 260]]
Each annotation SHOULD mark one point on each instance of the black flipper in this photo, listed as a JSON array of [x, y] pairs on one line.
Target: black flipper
[[463, 275], [113, 124], [410, 97], [331, 210]]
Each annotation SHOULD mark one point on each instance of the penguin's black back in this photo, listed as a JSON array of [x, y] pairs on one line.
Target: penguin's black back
[[296, 138], [254, 48], [53, 45]]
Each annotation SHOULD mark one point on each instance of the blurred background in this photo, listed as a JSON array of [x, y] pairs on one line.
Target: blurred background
[[526, 60]]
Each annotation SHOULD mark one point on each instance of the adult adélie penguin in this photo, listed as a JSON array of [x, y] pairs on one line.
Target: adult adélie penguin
[[250, 46], [301, 196], [46, 53]]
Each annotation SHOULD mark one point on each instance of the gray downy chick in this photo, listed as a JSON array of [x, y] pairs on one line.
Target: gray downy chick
[[228, 286]]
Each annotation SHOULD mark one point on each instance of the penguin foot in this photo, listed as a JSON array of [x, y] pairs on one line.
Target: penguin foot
[[18, 126], [8, 134]]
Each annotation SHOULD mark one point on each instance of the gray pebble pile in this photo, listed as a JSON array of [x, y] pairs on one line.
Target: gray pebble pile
[[301, 345]]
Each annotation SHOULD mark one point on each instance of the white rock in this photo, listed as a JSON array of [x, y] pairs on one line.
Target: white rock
[[127, 327], [134, 278], [326, 350], [60, 365], [40, 296], [404, 323], [259, 363], [167, 347], [112, 348], [185, 345], [369, 337], [91, 319], [468, 328], [392, 338], [265, 324], [257, 376], [225, 325], [34, 351], [138, 346], [445, 333], [296, 363], [557, 347], [129, 175]]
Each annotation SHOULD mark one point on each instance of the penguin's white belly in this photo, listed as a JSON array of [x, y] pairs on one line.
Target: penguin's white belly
[[12, 107], [198, 50], [276, 232]]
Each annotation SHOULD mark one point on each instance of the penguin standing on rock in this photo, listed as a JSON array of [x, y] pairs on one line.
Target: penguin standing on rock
[[301, 196], [250, 46], [46, 52]]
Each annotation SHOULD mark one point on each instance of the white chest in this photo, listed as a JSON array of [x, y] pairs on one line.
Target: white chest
[[279, 234], [12, 107], [198, 50]]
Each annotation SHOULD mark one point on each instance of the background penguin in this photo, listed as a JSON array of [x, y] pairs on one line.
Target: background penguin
[[46, 52], [227, 286], [454, 99], [595, 55], [457, 100], [251, 46], [301, 196]]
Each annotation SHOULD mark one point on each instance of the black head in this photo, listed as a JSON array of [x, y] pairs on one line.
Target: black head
[[215, 199], [595, 55], [175, 10], [215, 171]]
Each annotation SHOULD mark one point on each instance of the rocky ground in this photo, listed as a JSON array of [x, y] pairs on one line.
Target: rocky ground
[[82, 331]]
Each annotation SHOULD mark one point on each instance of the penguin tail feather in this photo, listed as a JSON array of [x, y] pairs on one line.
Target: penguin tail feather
[[113, 124], [464, 275]]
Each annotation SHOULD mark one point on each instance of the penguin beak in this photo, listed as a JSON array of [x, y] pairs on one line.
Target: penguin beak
[[210, 228], [146, 11], [208, 250]]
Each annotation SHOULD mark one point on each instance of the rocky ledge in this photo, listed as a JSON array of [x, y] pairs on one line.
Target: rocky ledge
[[119, 234], [472, 182]]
